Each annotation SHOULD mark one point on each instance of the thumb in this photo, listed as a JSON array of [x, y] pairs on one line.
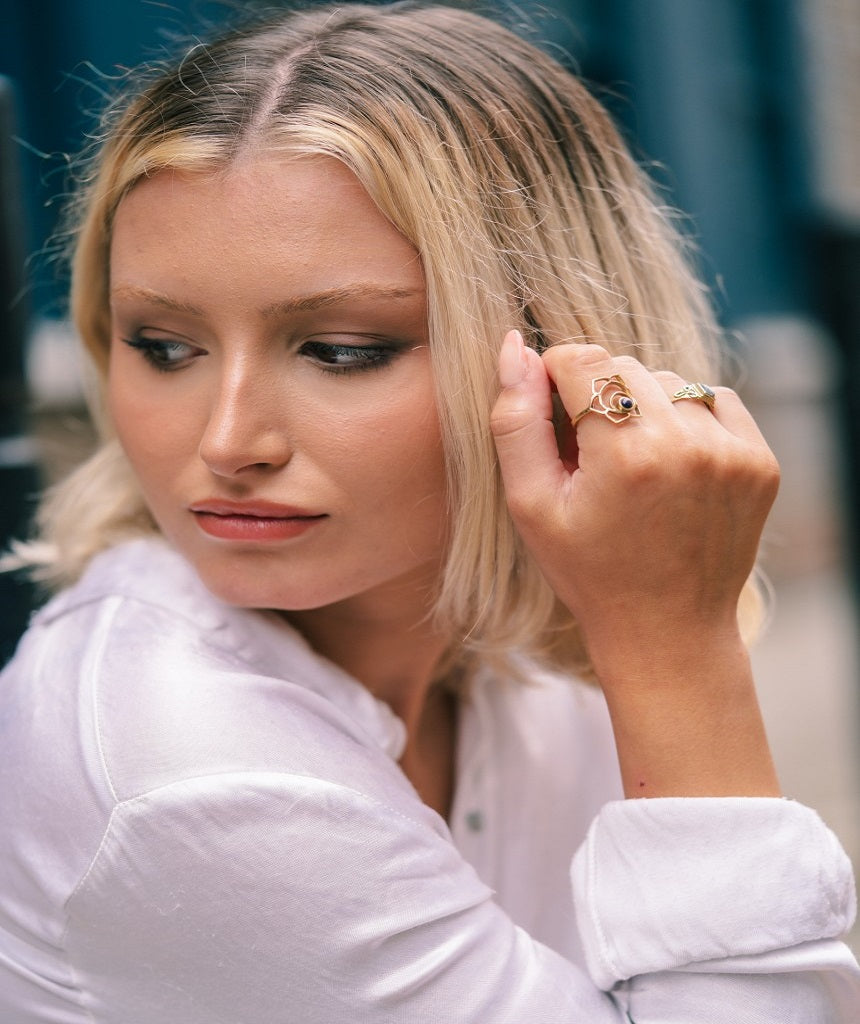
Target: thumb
[[522, 427]]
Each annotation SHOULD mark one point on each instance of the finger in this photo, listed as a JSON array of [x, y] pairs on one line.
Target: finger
[[674, 386], [727, 409], [731, 413], [579, 372], [522, 427]]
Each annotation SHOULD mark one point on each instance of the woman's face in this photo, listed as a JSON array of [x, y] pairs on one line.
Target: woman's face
[[270, 383]]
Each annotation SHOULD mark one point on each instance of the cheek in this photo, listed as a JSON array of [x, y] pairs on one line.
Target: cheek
[[128, 414], [151, 435], [413, 483], [400, 448]]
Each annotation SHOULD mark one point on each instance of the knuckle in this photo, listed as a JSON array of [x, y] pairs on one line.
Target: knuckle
[[626, 362], [510, 413], [769, 472], [702, 462], [640, 465], [749, 472], [687, 456], [669, 381], [594, 356], [522, 507], [508, 421], [703, 465], [668, 377]]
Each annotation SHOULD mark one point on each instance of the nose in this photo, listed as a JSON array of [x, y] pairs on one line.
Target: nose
[[245, 428]]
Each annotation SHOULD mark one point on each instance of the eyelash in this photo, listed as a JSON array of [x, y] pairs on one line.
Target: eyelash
[[364, 357], [324, 354], [154, 351]]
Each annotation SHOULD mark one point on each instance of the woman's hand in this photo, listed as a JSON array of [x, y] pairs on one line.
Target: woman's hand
[[650, 523], [647, 529]]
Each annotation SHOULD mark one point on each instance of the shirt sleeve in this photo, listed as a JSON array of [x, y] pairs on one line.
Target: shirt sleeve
[[263, 897], [686, 906]]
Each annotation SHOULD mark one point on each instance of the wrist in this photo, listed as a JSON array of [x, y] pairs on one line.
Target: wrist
[[665, 653], [686, 718]]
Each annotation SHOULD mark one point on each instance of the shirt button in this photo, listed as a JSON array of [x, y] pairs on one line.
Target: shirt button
[[475, 821]]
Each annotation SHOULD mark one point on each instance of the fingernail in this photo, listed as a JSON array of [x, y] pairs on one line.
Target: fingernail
[[513, 365]]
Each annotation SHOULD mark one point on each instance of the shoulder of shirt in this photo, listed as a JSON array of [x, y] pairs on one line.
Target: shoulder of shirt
[[149, 572], [181, 684], [146, 569]]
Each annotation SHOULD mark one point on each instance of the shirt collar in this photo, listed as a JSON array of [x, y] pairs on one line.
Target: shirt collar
[[149, 570]]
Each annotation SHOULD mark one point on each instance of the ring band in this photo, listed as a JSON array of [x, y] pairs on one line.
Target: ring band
[[612, 398], [698, 392]]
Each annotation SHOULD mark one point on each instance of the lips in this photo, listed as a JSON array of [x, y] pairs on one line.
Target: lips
[[253, 520], [259, 509]]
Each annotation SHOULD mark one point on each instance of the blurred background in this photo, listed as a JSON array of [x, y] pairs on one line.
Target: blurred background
[[746, 113]]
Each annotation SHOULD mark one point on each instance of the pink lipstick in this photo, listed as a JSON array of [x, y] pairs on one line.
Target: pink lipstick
[[253, 520]]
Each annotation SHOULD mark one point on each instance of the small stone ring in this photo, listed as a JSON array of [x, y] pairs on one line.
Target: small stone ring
[[612, 398], [698, 392]]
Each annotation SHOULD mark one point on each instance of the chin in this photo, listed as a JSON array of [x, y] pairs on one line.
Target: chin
[[252, 585]]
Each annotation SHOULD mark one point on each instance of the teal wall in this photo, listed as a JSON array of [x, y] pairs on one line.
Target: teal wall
[[61, 54], [703, 87]]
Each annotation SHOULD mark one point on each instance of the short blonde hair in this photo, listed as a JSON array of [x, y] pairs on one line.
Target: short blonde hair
[[505, 174]]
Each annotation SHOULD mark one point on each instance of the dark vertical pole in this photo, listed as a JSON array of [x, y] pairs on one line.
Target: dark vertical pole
[[19, 478], [837, 279]]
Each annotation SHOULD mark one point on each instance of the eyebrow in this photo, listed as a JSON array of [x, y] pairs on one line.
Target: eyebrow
[[155, 298], [295, 304]]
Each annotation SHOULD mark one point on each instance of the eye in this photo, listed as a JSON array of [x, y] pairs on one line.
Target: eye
[[338, 358], [164, 354]]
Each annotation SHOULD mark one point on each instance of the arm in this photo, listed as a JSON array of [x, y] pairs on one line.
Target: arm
[[263, 897], [647, 531]]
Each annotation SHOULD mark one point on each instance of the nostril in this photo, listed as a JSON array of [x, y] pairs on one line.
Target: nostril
[[227, 453]]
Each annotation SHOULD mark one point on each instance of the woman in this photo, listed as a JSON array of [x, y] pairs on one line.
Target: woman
[[299, 742]]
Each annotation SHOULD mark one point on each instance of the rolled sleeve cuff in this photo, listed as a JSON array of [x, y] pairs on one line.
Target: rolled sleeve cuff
[[664, 883]]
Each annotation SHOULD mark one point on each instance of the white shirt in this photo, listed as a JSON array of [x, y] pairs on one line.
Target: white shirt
[[205, 822]]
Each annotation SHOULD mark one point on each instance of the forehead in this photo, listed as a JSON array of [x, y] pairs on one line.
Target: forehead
[[307, 219]]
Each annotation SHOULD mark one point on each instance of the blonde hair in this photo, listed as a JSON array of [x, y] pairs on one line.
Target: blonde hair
[[504, 173]]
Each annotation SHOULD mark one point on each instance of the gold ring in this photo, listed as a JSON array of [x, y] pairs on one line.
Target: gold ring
[[612, 398], [698, 392]]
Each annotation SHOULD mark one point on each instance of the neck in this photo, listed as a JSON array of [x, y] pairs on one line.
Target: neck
[[395, 661]]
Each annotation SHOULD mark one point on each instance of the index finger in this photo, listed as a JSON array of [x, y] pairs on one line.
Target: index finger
[[589, 379]]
